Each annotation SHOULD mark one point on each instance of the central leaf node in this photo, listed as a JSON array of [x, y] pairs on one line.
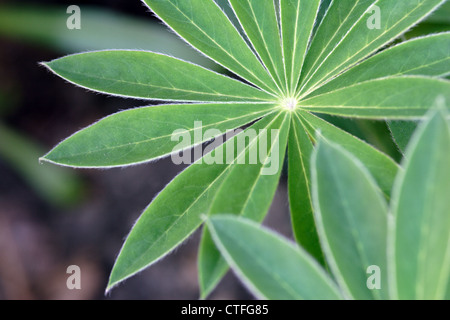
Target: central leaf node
[[289, 103]]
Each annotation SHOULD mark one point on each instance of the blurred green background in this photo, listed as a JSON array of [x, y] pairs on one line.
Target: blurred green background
[[52, 217]]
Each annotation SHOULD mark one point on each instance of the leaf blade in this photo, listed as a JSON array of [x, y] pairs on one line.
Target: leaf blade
[[272, 267], [148, 75], [351, 215], [421, 240], [407, 97], [296, 40], [142, 134]]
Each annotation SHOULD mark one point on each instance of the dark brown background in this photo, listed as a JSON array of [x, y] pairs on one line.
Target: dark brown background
[[39, 240]]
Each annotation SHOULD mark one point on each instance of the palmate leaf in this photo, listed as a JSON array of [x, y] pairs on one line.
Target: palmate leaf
[[351, 215], [359, 41], [420, 236], [203, 24], [271, 61], [257, 185], [169, 220], [144, 134], [147, 75], [269, 265]]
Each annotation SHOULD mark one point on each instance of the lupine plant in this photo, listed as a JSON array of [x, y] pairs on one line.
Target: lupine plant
[[374, 250], [290, 62]]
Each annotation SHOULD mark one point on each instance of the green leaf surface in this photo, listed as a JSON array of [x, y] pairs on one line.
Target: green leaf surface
[[406, 97], [351, 215], [272, 267], [381, 167], [338, 20], [148, 75], [363, 39], [420, 244], [402, 132], [143, 134], [247, 191], [431, 58], [169, 220], [259, 21], [299, 189], [203, 24], [297, 22]]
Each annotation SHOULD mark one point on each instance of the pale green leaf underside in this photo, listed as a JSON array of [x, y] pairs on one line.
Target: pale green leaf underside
[[269, 265], [247, 191], [148, 75], [427, 56], [381, 167], [351, 216], [297, 22], [142, 134], [406, 97], [169, 220], [299, 188], [258, 19], [421, 206], [361, 41], [203, 24]]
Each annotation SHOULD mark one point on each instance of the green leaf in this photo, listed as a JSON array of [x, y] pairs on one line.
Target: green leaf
[[148, 75], [420, 247], [272, 267], [406, 97], [259, 21], [143, 134], [431, 58], [360, 41], [203, 24], [169, 220], [299, 189], [247, 191], [338, 20], [381, 167], [351, 216], [297, 22], [402, 132]]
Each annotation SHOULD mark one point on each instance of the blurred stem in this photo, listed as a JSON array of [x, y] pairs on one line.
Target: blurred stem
[[56, 185]]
